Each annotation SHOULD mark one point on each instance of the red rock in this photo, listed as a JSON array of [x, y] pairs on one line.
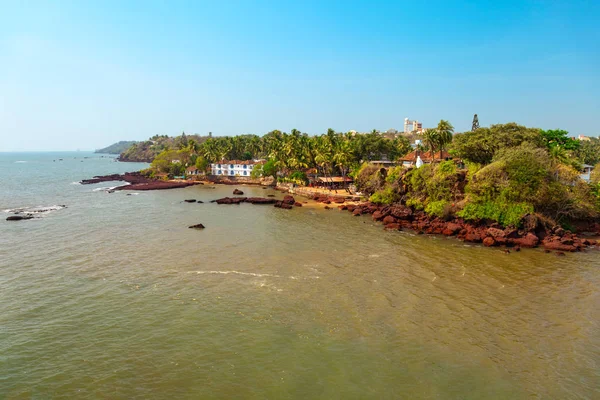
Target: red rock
[[237, 191], [472, 238], [356, 212], [451, 229], [288, 200], [530, 240], [393, 226], [389, 220], [558, 246], [297, 204], [495, 233], [489, 241], [377, 215], [401, 212]]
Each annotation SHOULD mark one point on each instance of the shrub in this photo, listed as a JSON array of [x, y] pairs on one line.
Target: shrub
[[384, 196], [441, 208], [394, 174], [505, 213], [369, 179], [298, 177]]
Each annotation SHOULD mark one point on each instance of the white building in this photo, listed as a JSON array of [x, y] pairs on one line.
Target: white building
[[586, 172], [234, 167]]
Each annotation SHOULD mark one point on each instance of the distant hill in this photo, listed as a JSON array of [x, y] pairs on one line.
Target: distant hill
[[146, 151], [116, 148]]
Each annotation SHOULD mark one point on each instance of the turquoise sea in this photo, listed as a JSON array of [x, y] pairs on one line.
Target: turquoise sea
[[113, 297]]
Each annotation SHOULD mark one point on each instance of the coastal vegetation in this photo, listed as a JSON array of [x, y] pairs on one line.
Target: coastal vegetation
[[510, 171], [288, 155], [117, 148], [500, 173]]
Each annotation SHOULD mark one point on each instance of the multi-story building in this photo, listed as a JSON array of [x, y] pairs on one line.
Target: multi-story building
[[234, 167]]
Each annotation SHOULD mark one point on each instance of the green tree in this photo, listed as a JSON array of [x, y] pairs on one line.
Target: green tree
[[444, 135], [481, 145], [431, 139]]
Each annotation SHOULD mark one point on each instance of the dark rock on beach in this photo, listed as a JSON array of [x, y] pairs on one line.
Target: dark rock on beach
[[260, 200], [190, 200], [288, 200], [237, 192], [197, 226]]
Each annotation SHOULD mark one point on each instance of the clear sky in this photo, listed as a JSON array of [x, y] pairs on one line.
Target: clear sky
[[79, 75]]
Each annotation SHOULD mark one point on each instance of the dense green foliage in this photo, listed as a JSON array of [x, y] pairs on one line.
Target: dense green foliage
[[481, 145], [116, 148], [331, 153], [589, 151], [512, 171]]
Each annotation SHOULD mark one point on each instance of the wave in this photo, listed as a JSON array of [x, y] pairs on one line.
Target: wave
[[257, 275], [34, 210], [20, 162], [109, 188], [237, 272]]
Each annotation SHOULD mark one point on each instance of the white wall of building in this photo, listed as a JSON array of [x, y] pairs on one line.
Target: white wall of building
[[231, 169]]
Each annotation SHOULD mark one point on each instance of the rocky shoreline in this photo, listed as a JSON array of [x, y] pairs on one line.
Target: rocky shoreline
[[398, 217], [137, 181], [532, 235]]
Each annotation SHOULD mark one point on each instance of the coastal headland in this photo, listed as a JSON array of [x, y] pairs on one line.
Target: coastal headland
[[397, 217]]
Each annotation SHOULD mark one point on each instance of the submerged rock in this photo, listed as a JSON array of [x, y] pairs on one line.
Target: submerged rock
[[237, 192], [190, 200], [197, 226], [19, 217]]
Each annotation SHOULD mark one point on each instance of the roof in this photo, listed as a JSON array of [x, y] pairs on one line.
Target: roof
[[425, 156], [191, 169], [334, 179], [239, 162]]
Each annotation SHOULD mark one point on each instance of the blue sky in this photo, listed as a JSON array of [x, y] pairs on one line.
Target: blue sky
[[79, 75]]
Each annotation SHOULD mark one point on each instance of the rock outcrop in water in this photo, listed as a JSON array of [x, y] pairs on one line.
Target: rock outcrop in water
[[237, 192], [398, 217], [197, 226], [19, 217], [287, 203], [138, 181]]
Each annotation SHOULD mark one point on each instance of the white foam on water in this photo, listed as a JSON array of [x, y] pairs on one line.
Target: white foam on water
[[257, 275], [34, 210], [20, 162], [237, 273], [104, 189], [75, 183]]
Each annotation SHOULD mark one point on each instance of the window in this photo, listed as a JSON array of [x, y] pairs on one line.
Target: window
[[245, 166], [245, 172], [230, 172], [219, 172], [230, 165]]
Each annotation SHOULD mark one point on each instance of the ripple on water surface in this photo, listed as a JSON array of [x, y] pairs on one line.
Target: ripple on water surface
[[115, 297]]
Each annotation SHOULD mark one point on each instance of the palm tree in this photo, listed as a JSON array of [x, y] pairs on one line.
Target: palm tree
[[342, 156], [430, 136], [445, 131]]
